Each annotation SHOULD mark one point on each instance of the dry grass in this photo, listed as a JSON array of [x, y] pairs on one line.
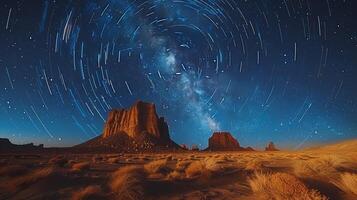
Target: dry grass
[[347, 183], [181, 165], [157, 166], [28, 179], [114, 160], [197, 169], [213, 164], [326, 166], [12, 170], [281, 186], [127, 183], [60, 161], [82, 166], [97, 158], [255, 165], [176, 175], [90, 192]]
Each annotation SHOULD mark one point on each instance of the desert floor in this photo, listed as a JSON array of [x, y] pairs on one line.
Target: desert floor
[[314, 174]]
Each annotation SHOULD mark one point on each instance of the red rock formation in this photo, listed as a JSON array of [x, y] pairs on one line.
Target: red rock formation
[[133, 130], [271, 147], [222, 141], [141, 117]]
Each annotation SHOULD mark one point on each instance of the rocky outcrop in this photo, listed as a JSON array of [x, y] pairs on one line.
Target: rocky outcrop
[[136, 129], [7, 146], [224, 141], [141, 117], [184, 146], [194, 147], [271, 147]]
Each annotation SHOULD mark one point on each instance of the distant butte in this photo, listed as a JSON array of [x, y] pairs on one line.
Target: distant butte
[[140, 118], [224, 141], [136, 129], [7, 146], [271, 147]]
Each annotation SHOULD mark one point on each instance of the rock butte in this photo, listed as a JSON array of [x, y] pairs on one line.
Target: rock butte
[[141, 117], [7, 146], [224, 141], [139, 129], [136, 129], [271, 147]]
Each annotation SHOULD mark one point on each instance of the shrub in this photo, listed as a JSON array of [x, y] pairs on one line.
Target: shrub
[[90, 192], [181, 165], [196, 169], [255, 165], [30, 178], [58, 161], [326, 166], [347, 183], [12, 170], [81, 166], [157, 166], [127, 183]]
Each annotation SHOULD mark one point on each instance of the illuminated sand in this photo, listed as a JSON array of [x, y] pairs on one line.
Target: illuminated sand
[[327, 172]]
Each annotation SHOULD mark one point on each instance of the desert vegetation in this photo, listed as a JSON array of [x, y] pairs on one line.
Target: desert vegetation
[[310, 175]]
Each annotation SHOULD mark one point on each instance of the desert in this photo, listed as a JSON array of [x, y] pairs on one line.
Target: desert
[[135, 159]]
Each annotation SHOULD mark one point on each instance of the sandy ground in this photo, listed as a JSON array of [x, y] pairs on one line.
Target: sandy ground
[[315, 174]]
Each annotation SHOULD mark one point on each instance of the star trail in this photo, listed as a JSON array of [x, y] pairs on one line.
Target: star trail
[[282, 70]]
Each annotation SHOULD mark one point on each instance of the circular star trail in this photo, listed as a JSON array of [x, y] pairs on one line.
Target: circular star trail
[[263, 70]]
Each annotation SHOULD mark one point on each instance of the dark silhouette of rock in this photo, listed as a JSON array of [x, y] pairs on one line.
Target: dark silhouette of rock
[[184, 146], [194, 148], [271, 147], [7, 146], [249, 149], [135, 129], [224, 141]]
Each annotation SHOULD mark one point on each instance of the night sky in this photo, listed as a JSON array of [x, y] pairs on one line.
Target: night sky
[[265, 70]]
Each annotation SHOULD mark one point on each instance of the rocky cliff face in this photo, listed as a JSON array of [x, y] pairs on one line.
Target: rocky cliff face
[[140, 118], [224, 141], [133, 130], [271, 147]]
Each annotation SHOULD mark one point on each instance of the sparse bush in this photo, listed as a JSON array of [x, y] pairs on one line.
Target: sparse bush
[[12, 170], [60, 161], [113, 160], [176, 175], [87, 193], [326, 166], [28, 179], [157, 166], [181, 165], [196, 169], [127, 183], [97, 158], [347, 183], [282, 186], [81, 166], [255, 165], [213, 164]]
